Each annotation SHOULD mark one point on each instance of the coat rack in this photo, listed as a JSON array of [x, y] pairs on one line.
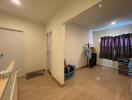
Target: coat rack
[[88, 46], [87, 56]]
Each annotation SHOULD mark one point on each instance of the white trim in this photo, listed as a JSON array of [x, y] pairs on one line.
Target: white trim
[[13, 87]]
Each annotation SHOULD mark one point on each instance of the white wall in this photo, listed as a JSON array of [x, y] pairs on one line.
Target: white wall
[[34, 40], [11, 45], [90, 37], [56, 24], [76, 38], [111, 32]]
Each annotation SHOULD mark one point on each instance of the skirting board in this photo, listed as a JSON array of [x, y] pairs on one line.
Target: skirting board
[[30, 72], [107, 67], [81, 67], [96, 65], [61, 85]]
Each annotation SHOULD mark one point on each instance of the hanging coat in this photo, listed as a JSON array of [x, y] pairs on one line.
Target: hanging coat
[[88, 52]]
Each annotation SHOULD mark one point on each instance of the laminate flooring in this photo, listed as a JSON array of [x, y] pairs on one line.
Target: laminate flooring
[[99, 83]]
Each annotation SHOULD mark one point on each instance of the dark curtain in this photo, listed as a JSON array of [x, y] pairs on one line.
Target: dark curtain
[[116, 47], [109, 47], [101, 55], [113, 49], [102, 48], [124, 47], [106, 47], [130, 36]]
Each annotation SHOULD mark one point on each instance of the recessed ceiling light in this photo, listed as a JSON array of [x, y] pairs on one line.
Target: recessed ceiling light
[[100, 5], [113, 23], [17, 2]]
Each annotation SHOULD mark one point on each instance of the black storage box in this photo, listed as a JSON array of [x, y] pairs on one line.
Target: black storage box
[[123, 66], [93, 60]]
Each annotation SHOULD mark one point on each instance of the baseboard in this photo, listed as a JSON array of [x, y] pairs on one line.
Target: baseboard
[[81, 67], [107, 67], [96, 65], [41, 70], [61, 85]]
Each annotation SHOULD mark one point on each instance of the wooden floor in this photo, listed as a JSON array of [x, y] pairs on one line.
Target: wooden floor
[[87, 84]]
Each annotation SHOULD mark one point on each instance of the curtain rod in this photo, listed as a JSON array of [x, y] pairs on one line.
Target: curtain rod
[[9, 29]]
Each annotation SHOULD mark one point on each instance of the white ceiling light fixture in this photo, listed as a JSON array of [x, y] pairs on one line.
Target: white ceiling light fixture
[[113, 23], [17, 2]]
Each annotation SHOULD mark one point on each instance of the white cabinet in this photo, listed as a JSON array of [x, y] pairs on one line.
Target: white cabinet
[[10, 90]]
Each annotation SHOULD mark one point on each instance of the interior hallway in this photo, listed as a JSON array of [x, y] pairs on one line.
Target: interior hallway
[[88, 84]]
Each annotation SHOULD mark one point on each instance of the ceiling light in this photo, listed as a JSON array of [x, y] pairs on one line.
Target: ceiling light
[[113, 23], [17, 2], [100, 5]]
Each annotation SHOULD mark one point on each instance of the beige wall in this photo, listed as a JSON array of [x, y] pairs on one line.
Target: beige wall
[[12, 45], [71, 9], [90, 37], [111, 32], [34, 40], [76, 38]]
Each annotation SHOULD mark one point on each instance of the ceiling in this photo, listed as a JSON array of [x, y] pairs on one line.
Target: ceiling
[[97, 17], [38, 10]]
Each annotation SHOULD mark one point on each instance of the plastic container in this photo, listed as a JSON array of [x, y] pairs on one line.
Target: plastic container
[[130, 68]]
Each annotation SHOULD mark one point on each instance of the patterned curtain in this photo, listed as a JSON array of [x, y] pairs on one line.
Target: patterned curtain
[[102, 48], [130, 40], [101, 55], [116, 47], [106, 47], [113, 49], [109, 48], [127, 52]]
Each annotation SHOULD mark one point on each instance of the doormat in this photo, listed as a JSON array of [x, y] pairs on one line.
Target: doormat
[[34, 74]]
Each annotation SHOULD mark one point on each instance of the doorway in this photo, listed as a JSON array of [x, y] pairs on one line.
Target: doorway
[[49, 63]]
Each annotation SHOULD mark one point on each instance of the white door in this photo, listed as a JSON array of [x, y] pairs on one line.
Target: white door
[[12, 48], [49, 52]]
